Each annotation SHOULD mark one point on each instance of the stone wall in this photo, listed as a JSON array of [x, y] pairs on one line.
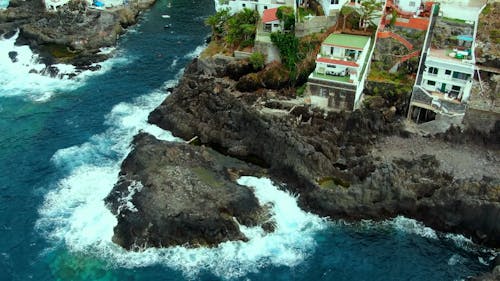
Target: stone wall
[[480, 120], [314, 25], [340, 96]]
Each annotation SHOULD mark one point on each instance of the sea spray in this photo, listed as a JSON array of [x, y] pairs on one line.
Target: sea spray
[[22, 75], [74, 213]]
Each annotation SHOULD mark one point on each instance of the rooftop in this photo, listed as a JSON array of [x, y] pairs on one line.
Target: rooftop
[[335, 61], [269, 15], [347, 41], [449, 54]]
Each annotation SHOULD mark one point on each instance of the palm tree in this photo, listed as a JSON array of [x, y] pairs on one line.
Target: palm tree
[[346, 11], [369, 9]]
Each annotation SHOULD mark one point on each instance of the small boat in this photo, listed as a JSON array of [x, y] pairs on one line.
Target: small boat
[[167, 25], [165, 16]]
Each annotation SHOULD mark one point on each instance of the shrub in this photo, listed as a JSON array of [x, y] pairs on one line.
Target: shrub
[[257, 60]]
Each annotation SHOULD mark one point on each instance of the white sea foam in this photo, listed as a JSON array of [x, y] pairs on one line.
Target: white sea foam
[[196, 52], [412, 226], [22, 78], [74, 212]]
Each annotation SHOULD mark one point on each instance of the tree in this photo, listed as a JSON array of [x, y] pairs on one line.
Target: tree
[[286, 15], [346, 11], [217, 22], [369, 9]]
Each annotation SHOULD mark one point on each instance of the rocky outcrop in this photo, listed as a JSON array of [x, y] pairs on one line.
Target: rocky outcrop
[[179, 194], [326, 158], [74, 33]]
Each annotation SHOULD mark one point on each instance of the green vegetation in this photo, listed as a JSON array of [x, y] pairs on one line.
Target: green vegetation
[[369, 10], [257, 60], [304, 12], [287, 16], [237, 31], [288, 45], [394, 17], [300, 90], [346, 12], [495, 35], [332, 182], [297, 55], [452, 20], [486, 10]]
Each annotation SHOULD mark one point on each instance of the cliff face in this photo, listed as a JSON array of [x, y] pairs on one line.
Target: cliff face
[[327, 159]]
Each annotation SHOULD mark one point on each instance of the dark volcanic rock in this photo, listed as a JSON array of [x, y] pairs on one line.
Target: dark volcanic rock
[[180, 194], [74, 33], [13, 56], [327, 159]]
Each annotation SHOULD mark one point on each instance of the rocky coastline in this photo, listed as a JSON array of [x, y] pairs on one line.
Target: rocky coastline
[[74, 34], [361, 165]]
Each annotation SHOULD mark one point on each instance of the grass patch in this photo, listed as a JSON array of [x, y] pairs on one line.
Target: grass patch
[[207, 176], [452, 20], [331, 182]]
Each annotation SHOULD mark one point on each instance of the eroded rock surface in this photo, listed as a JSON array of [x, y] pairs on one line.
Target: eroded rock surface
[[179, 194], [327, 157]]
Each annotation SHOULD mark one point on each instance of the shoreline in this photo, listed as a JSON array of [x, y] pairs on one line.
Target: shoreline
[[74, 35]]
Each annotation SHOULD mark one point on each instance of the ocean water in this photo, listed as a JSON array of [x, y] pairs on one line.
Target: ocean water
[[61, 145]]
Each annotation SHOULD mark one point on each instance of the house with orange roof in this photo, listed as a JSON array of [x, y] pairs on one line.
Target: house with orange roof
[[270, 21], [341, 68]]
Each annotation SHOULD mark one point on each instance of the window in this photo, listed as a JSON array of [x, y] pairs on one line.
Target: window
[[447, 72], [412, 4], [265, 7], [456, 88], [243, 5], [331, 65], [431, 83], [276, 25], [433, 70], [460, 75], [334, 2]]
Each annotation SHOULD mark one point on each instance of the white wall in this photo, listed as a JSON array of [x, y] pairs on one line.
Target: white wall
[[328, 7], [461, 9], [409, 5]]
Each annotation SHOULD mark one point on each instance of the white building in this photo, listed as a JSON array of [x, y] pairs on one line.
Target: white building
[[409, 6], [449, 72], [446, 71], [270, 20], [333, 6], [259, 5], [340, 73]]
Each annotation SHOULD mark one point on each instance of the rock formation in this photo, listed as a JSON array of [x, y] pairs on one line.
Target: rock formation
[[179, 194], [326, 157]]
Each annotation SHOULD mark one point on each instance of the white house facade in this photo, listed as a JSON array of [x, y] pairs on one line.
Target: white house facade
[[448, 75], [259, 5], [341, 68], [332, 6]]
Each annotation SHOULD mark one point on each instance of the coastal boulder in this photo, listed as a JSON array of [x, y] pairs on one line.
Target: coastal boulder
[[179, 194]]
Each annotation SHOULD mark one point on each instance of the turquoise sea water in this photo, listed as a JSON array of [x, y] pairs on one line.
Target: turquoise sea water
[[61, 144]]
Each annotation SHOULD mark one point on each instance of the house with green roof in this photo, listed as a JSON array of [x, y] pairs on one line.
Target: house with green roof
[[338, 79]]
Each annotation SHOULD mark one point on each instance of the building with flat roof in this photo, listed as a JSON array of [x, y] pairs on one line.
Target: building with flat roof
[[446, 71], [341, 68], [259, 5]]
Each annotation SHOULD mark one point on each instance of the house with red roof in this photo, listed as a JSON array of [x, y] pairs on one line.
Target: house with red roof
[[270, 21], [340, 73]]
